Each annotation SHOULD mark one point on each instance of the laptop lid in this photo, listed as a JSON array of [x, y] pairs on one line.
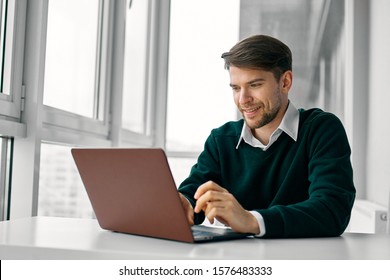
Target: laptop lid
[[133, 191]]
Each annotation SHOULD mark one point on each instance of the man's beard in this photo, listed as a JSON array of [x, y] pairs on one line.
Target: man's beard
[[267, 117]]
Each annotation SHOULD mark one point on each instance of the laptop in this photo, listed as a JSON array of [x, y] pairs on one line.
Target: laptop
[[132, 191]]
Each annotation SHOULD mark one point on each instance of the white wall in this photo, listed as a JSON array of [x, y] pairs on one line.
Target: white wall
[[378, 148]]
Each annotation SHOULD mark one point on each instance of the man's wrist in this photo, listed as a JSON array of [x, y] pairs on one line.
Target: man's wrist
[[260, 221]]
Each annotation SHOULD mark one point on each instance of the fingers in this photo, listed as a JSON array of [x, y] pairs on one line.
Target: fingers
[[207, 192], [217, 203], [210, 198], [208, 186], [216, 210], [231, 213]]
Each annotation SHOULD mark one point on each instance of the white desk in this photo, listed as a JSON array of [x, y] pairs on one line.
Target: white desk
[[65, 238]]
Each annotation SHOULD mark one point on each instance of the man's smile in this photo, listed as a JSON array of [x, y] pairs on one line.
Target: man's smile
[[251, 111]]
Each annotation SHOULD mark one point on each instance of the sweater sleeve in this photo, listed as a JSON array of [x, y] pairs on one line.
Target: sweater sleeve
[[207, 168], [331, 193]]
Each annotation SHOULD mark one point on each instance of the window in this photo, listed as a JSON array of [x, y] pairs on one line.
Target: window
[[105, 82], [61, 191], [96, 118], [314, 30], [12, 27], [75, 95], [75, 91], [11, 53], [199, 97], [71, 56]]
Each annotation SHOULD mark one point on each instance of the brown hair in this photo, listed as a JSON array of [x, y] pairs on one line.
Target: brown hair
[[260, 52]]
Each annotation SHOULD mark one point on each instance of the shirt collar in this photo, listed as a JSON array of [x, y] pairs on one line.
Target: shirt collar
[[289, 125]]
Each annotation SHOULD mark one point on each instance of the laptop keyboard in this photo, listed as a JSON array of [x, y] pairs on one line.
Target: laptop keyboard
[[202, 231]]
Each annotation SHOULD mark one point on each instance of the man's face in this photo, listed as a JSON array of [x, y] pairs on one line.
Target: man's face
[[259, 96]]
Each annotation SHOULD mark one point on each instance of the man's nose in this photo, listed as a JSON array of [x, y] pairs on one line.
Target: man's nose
[[245, 96]]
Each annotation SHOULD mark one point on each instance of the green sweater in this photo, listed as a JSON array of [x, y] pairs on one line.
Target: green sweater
[[302, 189]]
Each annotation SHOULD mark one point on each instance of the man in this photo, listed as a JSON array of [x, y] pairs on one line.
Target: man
[[278, 172]]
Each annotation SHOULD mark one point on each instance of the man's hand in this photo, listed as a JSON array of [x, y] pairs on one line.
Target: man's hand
[[188, 209], [218, 203]]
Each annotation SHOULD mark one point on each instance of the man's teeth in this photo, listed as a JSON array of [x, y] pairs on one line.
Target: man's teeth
[[251, 110]]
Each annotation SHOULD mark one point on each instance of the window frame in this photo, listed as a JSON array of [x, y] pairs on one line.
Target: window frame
[[72, 129], [11, 103], [156, 80], [106, 128]]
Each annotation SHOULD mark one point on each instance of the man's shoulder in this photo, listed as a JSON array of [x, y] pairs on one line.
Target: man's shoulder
[[318, 123], [316, 116], [232, 128]]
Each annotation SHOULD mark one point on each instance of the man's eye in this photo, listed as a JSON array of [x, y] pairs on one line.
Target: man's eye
[[255, 85]]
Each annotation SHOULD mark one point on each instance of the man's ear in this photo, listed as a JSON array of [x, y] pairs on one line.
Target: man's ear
[[286, 81]]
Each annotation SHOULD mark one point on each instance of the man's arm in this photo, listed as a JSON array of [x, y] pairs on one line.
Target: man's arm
[[206, 168], [331, 192]]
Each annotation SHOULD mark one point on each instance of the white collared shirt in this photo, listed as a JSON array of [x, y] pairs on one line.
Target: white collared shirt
[[289, 125]]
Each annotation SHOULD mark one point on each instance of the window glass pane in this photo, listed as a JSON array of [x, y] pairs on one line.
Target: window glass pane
[[180, 167], [3, 9], [7, 25], [71, 52], [61, 191], [5, 167], [317, 48], [199, 97], [135, 100]]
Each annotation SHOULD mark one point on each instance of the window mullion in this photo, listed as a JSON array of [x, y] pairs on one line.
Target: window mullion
[[26, 151], [159, 69], [115, 92]]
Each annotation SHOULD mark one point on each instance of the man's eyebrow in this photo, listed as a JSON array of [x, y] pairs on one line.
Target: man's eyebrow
[[251, 81], [256, 80]]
